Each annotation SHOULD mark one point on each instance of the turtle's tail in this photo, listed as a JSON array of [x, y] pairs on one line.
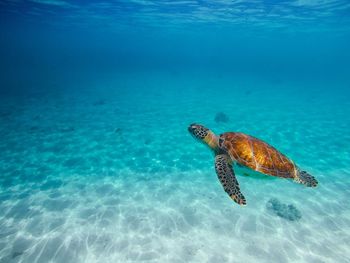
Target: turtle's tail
[[305, 178]]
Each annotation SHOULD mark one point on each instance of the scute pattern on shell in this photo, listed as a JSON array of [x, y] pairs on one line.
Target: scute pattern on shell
[[257, 155]]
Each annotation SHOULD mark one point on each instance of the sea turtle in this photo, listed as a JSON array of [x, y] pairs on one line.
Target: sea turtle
[[246, 150]]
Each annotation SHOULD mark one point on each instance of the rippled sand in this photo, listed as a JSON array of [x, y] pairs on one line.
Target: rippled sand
[[114, 176]]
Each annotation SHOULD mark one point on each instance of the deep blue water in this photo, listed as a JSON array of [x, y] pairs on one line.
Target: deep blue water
[[96, 161]]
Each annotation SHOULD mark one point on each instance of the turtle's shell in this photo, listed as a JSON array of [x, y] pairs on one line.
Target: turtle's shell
[[256, 154]]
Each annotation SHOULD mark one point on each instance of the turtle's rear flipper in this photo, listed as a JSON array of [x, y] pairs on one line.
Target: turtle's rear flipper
[[303, 177], [228, 179]]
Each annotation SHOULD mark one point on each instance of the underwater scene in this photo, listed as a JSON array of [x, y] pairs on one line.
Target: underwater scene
[[103, 156]]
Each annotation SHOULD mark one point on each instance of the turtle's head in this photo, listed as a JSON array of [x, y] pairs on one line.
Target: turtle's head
[[204, 135]]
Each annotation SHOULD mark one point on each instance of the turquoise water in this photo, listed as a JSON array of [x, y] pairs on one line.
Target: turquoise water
[[96, 161]]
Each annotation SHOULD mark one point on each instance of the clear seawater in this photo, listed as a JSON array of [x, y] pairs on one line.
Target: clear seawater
[[96, 163]]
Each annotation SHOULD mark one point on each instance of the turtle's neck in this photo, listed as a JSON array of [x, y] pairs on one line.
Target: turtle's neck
[[211, 140]]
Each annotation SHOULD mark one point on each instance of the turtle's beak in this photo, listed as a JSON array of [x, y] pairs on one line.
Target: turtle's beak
[[192, 128]]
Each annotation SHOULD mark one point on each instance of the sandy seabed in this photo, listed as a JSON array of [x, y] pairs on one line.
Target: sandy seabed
[[113, 176]]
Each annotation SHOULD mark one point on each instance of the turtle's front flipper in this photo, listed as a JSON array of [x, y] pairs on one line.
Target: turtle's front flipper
[[303, 177], [228, 179]]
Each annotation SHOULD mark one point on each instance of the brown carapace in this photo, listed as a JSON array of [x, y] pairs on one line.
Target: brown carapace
[[257, 155]]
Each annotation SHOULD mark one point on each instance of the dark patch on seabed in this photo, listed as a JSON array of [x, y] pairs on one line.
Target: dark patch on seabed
[[285, 211], [221, 117]]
